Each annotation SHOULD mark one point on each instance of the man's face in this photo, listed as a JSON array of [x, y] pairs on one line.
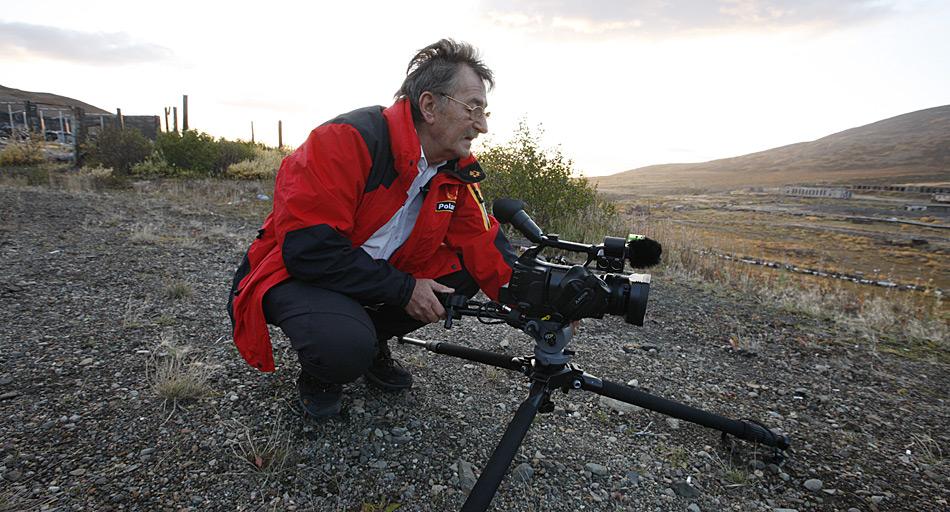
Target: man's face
[[453, 128]]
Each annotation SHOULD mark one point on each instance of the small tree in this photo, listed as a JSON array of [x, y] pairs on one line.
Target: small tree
[[119, 149], [556, 200]]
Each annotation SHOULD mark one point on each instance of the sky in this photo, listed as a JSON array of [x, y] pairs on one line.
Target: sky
[[613, 84]]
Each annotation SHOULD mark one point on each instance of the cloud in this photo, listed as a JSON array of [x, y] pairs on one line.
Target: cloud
[[24, 40], [661, 17]]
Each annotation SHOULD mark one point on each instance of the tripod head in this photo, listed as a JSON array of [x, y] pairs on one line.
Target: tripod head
[[550, 337]]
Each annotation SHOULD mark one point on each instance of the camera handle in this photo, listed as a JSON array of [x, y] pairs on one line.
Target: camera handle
[[547, 378]]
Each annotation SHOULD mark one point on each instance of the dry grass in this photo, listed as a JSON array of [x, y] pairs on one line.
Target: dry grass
[[176, 374], [269, 454], [263, 166], [910, 323], [177, 290]]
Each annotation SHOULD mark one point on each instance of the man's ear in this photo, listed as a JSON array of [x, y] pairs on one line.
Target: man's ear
[[427, 106]]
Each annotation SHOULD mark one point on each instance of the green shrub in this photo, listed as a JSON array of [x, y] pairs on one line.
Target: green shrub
[[543, 179], [189, 150], [263, 166], [201, 153], [24, 152], [231, 152], [118, 148], [153, 166]]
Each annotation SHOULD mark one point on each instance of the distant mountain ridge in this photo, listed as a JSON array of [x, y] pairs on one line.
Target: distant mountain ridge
[[912, 147], [45, 98]]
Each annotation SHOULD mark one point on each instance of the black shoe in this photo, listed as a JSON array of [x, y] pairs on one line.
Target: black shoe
[[386, 372], [319, 399]]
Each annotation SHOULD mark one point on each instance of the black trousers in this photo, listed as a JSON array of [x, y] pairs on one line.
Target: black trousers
[[336, 337]]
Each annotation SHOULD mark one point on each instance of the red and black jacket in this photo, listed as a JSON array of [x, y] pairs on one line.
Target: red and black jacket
[[344, 183]]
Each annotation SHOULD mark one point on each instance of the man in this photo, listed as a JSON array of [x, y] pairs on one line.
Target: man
[[374, 215]]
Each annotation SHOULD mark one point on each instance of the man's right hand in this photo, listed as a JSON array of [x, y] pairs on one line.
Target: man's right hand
[[424, 305]]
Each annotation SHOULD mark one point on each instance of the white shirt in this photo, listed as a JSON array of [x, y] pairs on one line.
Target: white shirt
[[394, 233]]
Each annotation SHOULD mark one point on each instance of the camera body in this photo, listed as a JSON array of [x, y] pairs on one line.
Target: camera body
[[564, 293]]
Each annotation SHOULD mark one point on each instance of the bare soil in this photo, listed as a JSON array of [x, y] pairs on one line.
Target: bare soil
[[83, 305]]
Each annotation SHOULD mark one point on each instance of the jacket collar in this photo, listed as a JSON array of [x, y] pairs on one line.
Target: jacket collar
[[406, 148]]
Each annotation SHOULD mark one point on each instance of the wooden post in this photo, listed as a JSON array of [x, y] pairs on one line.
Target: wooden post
[[184, 112], [62, 129], [175, 117], [42, 124], [280, 134], [69, 126], [12, 124], [167, 111], [120, 121], [80, 135], [102, 123], [252, 132]]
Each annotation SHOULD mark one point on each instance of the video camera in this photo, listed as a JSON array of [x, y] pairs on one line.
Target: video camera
[[562, 293]]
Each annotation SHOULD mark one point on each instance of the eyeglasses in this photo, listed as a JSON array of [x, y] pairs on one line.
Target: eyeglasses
[[476, 113]]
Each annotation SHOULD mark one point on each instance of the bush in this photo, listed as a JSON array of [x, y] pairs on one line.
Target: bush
[[190, 150], [557, 201], [263, 166], [24, 152], [201, 153], [118, 148], [153, 166], [232, 152]]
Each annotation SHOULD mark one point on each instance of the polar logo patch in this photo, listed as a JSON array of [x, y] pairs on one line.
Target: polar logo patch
[[445, 206]]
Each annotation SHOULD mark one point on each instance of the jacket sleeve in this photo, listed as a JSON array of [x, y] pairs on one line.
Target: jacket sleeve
[[486, 252], [316, 194]]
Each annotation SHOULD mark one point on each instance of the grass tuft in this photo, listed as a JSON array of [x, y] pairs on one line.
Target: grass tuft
[[268, 455], [176, 374], [177, 290]]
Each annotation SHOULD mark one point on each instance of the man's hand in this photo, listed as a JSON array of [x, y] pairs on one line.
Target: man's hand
[[424, 305]]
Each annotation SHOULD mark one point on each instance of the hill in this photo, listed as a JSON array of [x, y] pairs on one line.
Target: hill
[[16, 95], [909, 148]]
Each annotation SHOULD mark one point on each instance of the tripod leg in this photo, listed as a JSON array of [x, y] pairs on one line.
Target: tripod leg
[[743, 429], [487, 484]]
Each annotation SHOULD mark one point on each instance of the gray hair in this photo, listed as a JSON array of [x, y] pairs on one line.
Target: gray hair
[[434, 69]]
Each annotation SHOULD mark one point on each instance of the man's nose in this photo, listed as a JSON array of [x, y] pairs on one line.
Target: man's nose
[[481, 125]]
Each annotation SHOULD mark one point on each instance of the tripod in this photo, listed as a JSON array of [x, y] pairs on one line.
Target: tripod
[[550, 369]]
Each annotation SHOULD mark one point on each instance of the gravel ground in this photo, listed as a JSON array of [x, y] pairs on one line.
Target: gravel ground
[[88, 294]]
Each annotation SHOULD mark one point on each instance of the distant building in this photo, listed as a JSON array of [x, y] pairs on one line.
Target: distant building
[[833, 193], [942, 198]]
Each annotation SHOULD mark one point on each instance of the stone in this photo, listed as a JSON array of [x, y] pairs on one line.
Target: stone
[[617, 405], [596, 469], [673, 423], [813, 484], [633, 477], [523, 472], [683, 489], [693, 508], [466, 476]]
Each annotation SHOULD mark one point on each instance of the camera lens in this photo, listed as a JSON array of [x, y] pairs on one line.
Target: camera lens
[[628, 296]]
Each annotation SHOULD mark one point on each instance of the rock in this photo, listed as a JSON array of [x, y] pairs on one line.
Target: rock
[[78, 472], [673, 423], [784, 510], [436, 489], [693, 508], [633, 478], [596, 469], [683, 489], [813, 484], [466, 476], [523, 472], [877, 499], [13, 476], [617, 405]]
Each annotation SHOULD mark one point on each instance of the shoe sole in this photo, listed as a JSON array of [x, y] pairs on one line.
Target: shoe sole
[[385, 386]]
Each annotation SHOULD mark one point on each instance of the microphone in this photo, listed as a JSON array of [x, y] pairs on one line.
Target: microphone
[[511, 211], [643, 252]]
